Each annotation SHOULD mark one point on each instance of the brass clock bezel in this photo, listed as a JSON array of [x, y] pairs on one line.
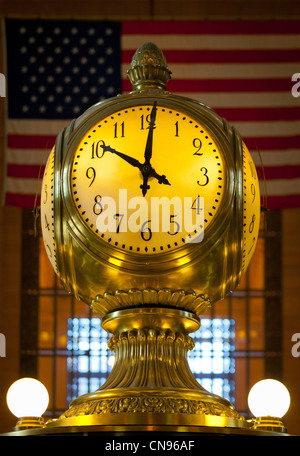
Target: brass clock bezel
[[132, 261]]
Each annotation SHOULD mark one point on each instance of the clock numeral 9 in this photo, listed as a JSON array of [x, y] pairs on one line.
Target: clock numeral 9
[[253, 192], [91, 174]]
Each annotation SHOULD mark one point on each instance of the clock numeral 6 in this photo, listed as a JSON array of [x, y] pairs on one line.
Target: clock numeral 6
[[146, 232]]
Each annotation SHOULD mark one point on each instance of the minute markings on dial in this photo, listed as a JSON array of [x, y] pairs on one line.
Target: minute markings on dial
[[182, 119]]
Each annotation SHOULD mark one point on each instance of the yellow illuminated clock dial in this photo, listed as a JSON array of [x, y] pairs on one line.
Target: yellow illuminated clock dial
[[251, 208], [47, 210], [148, 179]]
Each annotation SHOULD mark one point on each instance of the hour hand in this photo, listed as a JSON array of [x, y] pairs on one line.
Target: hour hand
[[161, 179], [152, 173], [132, 161]]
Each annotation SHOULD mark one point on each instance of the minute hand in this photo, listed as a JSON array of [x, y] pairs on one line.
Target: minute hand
[[149, 144]]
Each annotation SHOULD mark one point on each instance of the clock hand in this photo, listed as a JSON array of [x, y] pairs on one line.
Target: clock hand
[[161, 179], [132, 161], [147, 168], [149, 144]]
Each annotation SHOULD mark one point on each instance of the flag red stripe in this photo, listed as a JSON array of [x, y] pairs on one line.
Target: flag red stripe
[[22, 200], [223, 85], [25, 171], [272, 143], [211, 27], [279, 172], [223, 56], [16, 141], [283, 202], [259, 114]]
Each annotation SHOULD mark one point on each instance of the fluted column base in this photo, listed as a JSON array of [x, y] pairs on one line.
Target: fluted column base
[[151, 382]]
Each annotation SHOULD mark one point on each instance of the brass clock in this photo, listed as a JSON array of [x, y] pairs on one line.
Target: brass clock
[[154, 207], [150, 190]]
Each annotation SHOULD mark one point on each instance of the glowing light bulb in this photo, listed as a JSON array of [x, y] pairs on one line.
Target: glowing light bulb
[[27, 397], [269, 398]]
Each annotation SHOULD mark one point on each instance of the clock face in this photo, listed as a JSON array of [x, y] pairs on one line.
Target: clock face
[[148, 179], [251, 208], [47, 209]]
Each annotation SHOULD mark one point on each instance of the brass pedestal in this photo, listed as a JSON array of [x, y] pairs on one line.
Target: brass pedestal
[[151, 383]]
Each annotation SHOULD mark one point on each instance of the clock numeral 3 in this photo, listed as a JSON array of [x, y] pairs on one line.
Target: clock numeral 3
[[204, 171]]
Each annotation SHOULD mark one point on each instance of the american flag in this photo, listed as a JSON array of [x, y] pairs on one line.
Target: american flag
[[242, 69]]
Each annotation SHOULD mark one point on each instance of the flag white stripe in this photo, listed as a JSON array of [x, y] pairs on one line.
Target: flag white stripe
[[276, 158], [244, 99], [278, 187], [220, 42], [23, 186], [267, 129], [36, 126], [27, 156]]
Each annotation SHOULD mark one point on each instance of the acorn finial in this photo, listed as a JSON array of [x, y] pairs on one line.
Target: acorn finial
[[148, 69]]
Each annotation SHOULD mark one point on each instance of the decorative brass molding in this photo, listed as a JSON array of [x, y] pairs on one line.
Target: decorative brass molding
[[148, 69], [121, 299], [151, 375], [154, 404]]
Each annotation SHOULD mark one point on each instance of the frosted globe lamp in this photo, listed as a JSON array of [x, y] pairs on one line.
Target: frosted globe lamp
[[27, 399], [269, 400]]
